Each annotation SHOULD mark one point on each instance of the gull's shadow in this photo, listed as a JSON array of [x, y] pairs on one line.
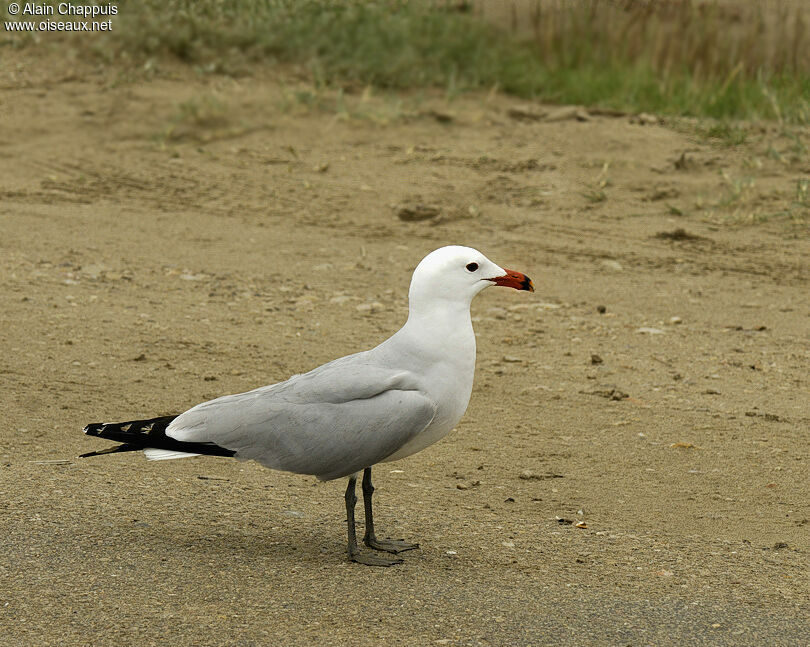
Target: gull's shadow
[[279, 540]]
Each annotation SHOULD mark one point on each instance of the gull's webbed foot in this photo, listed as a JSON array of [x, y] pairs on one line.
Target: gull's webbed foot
[[389, 545], [370, 559]]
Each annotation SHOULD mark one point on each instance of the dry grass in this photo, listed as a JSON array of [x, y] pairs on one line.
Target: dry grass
[[720, 59], [715, 41], [727, 60]]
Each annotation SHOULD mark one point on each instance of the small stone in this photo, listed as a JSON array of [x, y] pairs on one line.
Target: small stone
[[462, 486], [418, 212], [645, 119], [601, 309], [568, 113], [340, 299], [610, 264], [675, 320], [645, 330], [93, 270], [441, 117], [292, 513], [527, 113], [595, 359]]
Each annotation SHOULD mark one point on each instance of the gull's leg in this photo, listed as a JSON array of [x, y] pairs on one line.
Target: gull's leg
[[370, 539], [355, 555]]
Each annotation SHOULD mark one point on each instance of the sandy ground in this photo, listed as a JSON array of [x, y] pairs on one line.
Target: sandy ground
[[169, 240]]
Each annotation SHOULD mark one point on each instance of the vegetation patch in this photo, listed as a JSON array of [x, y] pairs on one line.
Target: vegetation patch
[[676, 57]]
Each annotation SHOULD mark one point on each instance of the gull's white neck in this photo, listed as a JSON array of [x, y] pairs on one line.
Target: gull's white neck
[[438, 346], [441, 333]]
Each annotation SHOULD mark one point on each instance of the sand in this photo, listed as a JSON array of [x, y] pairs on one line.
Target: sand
[[633, 466]]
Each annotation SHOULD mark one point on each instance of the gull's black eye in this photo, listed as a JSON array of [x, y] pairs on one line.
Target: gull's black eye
[[472, 267]]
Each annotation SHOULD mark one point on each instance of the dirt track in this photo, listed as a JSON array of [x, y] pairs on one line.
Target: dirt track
[[154, 256]]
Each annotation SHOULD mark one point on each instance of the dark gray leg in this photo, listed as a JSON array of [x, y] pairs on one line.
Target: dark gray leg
[[370, 559], [370, 539]]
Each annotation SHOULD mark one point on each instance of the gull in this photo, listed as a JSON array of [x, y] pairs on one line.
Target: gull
[[346, 416]]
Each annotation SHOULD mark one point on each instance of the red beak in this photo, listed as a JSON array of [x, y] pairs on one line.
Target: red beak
[[515, 280]]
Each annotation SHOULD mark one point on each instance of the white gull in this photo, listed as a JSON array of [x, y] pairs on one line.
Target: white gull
[[344, 417]]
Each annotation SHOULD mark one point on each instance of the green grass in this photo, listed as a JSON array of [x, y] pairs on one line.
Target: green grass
[[677, 59]]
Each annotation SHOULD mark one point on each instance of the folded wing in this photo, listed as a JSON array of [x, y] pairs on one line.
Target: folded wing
[[331, 422]]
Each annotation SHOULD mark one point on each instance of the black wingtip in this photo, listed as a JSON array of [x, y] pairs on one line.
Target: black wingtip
[[126, 447], [150, 433], [93, 428]]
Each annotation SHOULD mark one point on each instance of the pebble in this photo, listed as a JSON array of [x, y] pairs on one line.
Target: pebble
[[418, 212], [340, 299], [645, 119], [369, 308], [566, 113], [644, 330], [609, 264], [527, 113], [93, 270]]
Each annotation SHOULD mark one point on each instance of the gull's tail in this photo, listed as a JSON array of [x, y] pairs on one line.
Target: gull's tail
[[149, 436]]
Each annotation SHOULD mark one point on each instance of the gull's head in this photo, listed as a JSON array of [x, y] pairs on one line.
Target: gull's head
[[457, 274]]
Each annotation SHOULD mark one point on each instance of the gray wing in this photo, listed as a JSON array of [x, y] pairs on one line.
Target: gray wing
[[331, 422]]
